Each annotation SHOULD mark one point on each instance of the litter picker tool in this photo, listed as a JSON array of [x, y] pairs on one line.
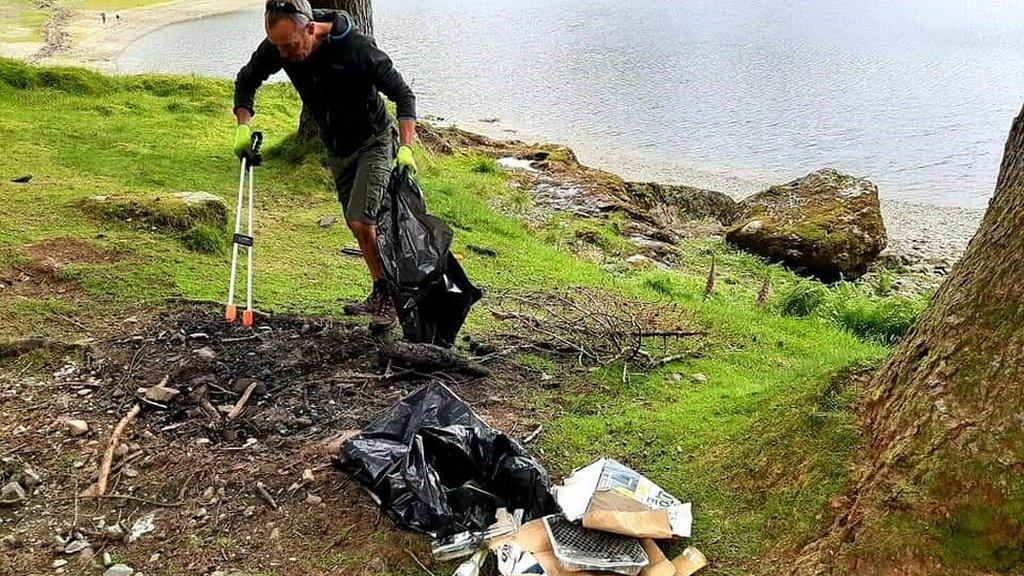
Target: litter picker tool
[[252, 158]]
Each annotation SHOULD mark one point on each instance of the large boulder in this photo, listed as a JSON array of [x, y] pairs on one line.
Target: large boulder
[[826, 224]]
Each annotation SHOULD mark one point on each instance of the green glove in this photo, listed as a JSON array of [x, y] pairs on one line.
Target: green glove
[[405, 159], [243, 140]]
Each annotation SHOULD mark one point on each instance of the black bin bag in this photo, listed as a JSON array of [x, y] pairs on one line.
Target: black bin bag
[[434, 467], [430, 290]]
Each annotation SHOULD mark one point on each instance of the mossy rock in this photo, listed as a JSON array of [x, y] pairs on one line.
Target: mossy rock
[[691, 203], [827, 224], [198, 219]]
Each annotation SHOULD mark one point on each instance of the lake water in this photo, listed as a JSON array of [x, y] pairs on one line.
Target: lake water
[[916, 95]]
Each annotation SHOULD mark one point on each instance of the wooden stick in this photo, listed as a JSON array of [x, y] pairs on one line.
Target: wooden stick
[[237, 410], [100, 488], [262, 491]]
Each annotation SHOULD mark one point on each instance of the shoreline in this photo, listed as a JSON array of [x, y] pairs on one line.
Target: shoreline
[[926, 235], [918, 232], [97, 45]]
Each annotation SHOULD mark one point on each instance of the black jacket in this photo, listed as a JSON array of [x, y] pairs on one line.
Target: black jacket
[[338, 83]]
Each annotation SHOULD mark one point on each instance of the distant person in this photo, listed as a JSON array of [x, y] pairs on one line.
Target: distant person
[[103, 17], [117, 15], [339, 74]]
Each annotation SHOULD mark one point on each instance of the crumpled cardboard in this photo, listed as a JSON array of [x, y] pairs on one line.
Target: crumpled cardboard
[[612, 497], [689, 562], [533, 538]]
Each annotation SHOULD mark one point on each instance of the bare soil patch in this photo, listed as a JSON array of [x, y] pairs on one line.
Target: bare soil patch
[[196, 472]]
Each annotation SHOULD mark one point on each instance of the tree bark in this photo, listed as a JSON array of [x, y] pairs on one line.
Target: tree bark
[[362, 15], [942, 487]]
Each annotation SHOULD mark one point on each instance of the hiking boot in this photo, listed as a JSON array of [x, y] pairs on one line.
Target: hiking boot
[[385, 317], [373, 304]]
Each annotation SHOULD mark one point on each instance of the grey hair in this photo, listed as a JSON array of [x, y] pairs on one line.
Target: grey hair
[[300, 20], [302, 16]]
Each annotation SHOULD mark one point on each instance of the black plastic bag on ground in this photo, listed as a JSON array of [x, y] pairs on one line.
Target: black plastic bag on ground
[[436, 468], [430, 290]]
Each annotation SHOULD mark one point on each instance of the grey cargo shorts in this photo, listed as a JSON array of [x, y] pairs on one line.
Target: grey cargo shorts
[[361, 178]]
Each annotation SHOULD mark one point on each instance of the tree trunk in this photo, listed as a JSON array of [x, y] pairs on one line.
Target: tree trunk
[[362, 15], [942, 487]]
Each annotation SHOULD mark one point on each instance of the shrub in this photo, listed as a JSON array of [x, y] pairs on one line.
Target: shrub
[[483, 164]]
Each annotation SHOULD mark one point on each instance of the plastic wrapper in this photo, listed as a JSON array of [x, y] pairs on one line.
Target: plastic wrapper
[[434, 467], [431, 292]]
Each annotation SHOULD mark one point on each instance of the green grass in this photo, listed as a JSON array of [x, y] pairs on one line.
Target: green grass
[[759, 448], [885, 319]]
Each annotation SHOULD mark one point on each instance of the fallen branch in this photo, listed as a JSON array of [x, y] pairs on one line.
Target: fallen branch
[[595, 327], [237, 410], [430, 358], [100, 488]]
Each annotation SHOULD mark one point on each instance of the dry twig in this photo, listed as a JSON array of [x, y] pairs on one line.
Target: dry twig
[[237, 410], [595, 327], [100, 488]]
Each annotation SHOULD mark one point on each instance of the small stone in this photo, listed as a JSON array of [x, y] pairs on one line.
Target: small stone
[[154, 558], [11, 493], [275, 534], [307, 475], [376, 566], [205, 353], [59, 563], [160, 393], [114, 532], [699, 378], [76, 546], [76, 427], [119, 570], [130, 472], [200, 513], [208, 494], [328, 221], [30, 479], [107, 559], [121, 451], [199, 336], [85, 392], [314, 500], [85, 556], [638, 261], [248, 512]]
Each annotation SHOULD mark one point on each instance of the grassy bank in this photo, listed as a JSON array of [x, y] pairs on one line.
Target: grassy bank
[[755, 431]]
